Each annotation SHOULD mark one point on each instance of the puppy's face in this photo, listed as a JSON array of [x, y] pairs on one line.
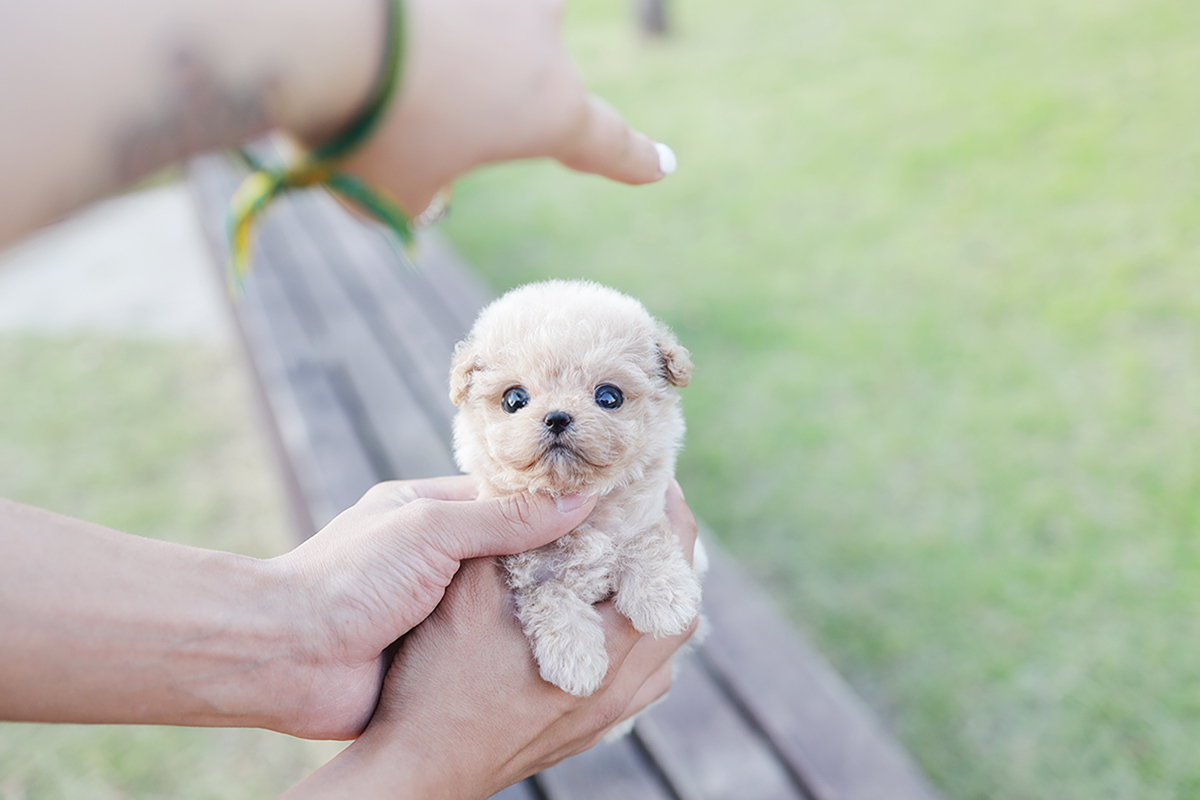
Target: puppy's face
[[565, 388]]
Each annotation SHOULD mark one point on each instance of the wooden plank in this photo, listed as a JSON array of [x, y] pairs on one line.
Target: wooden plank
[[332, 464], [707, 750], [417, 316], [211, 188], [619, 770], [462, 293], [525, 790], [326, 462], [387, 411], [389, 297], [430, 274], [833, 743]]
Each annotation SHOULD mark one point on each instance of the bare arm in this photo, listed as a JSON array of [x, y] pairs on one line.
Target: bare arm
[[97, 95], [101, 626]]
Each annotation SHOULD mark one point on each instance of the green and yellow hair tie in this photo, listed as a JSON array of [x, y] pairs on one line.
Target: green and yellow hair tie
[[319, 165]]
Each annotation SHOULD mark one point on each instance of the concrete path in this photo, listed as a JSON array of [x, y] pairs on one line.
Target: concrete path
[[134, 265]]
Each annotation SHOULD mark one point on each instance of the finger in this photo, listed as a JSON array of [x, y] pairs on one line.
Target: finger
[[501, 525], [632, 656], [451, 487], [653, 689], [682, 520], [391, 495], [604, 144]]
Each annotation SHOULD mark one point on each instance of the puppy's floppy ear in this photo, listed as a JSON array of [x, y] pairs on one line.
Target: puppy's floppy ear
[[674, 359], [463, 364]]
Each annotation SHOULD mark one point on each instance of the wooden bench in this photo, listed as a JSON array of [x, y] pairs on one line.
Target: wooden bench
[[351, 351]]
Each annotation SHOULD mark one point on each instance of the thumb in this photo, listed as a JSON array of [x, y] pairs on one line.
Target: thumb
[[505, 525], [604, 144]]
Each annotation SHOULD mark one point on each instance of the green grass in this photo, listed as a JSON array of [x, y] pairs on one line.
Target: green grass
[[157, 440], [938, 267]]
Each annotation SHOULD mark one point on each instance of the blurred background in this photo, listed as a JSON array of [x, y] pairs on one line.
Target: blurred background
[[124, 401], [937, 264]]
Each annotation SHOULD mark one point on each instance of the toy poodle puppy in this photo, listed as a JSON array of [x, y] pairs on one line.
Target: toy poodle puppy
[[567, 387]]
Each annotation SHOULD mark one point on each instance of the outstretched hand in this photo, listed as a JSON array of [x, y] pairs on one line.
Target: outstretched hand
[[491, 80]]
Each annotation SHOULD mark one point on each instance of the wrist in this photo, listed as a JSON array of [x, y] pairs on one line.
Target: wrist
[[233, 661], [391, 766], [269, 636], [304, 685], [334, 64]]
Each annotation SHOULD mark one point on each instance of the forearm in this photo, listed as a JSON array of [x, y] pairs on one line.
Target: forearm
[[103, 627], [101, 94]]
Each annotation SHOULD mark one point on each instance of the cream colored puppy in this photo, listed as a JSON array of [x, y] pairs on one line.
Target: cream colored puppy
[[565, 388]]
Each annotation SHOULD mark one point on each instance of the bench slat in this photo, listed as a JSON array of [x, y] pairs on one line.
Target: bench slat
[[412, 444], [706, 748], [405, 314], [616, 771], [461, 292], [326, 466], [835, 745], [524, 790], [312, 420]]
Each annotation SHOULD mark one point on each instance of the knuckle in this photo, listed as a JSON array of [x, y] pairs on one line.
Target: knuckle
[[662, 682], [397, 493], [433, 526], [421, 513], [607, 712], [658, 684], [376, 492], [518, 510], [571, 130]]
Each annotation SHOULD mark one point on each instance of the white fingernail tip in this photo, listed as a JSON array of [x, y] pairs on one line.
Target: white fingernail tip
[[666, 159]]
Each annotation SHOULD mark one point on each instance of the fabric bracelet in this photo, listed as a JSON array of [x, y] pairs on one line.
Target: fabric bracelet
[[319, 166]]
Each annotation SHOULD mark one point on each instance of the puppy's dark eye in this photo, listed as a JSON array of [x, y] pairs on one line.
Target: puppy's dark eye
[[515, 399], [609, 396]]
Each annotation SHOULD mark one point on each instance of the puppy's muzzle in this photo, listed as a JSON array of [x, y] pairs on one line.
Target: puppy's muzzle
[[557, 422]]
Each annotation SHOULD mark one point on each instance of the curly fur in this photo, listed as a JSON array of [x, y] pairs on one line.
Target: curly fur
[[559, 340]]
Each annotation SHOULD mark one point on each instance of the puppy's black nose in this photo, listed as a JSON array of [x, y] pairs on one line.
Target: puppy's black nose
[[558, 421]]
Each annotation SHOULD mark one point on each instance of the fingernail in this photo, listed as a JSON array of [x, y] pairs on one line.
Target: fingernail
[[570, 503], [666, 159]]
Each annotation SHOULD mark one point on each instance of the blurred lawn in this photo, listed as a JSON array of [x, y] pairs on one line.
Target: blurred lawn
[[937, 263], [158, 440]]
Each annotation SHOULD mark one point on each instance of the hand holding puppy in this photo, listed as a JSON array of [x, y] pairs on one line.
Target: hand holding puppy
[[379, 569], [160, 633], [464, 712]]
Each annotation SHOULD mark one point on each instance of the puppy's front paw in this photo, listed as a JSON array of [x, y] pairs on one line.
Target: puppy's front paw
[[566, 634], [575, 663], [662, 603]]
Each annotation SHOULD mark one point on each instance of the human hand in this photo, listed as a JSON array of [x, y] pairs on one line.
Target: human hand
[[464, 712], [490, 80], [379, 569]]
